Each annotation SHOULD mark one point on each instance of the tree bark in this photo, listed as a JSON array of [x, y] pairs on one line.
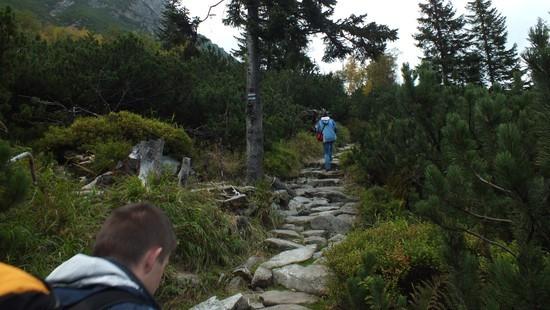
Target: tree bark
[[254, 114]]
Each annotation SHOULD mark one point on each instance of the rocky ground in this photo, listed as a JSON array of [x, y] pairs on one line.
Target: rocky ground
[[317, 213]]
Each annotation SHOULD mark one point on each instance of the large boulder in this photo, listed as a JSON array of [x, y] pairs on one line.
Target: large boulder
[[331, 224], [311, 279]]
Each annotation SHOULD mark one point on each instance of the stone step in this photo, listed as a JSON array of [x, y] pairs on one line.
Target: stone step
[[321, 173], [286, 307], [285, 234], [324, 182], [290, 257], [273, 298], [311, 279], [314, 233], [281, 244], [296, 228], [321, 164]]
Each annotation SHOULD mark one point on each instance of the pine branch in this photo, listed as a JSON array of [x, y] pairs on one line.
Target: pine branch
[[499, 188], [469, 232], [210, 10], [487, 218]]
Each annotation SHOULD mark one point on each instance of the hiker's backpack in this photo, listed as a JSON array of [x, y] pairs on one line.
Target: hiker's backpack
[[20, 290]]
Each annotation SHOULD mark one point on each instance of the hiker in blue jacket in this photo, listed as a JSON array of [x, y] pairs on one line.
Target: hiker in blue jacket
[[130, 254], [327, 127]]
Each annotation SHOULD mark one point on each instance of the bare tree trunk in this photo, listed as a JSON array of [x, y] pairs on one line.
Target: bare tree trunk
[[254, 114]]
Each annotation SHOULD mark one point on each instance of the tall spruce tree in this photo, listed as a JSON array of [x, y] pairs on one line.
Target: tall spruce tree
[[176, 27], [489, 36], [442, 38], [349, 36]]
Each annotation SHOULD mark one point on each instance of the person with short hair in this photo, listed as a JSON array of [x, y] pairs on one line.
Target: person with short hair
[[130, 253], [327, 127]]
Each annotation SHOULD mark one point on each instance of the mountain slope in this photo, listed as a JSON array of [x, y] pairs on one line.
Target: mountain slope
[[97, 15]]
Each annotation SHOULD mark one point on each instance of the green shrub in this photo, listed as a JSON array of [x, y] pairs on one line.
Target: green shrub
[[108, 154], [14, 184], [378, 205], [286, 158], [398, 252], [87, 134], [282, 161]]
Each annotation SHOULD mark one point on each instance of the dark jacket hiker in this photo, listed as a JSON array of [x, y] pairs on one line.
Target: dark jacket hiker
[[131, 252]]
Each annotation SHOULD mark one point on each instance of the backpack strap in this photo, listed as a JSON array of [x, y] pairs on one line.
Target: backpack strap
[[108, 298]]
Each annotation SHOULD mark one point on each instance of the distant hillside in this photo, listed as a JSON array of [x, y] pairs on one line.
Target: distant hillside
[[103, 15], [97, 15]]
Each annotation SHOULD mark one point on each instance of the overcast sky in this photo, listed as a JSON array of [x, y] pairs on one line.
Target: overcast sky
[[400, 14]]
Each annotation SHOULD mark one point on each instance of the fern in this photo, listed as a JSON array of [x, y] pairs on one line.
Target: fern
[[435, 294]]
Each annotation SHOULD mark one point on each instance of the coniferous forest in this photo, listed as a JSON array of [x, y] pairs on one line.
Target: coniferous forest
[[450, 159]]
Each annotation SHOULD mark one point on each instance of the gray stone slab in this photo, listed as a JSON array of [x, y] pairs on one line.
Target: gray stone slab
[[282, 244], [280, 233], [331, 224], [290, 257], [300, 220], [311, 279], [319, 241], [272, 298], [263, 277], [296, 228], [312, 233]]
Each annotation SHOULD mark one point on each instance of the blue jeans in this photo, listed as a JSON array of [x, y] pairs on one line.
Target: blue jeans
[[327, 146]]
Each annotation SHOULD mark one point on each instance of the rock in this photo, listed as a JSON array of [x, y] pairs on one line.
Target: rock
[[272, 298], [243, 272], [102, 180], [333, 194], [298, 202], [290, 257], [286, 307], [236, 302], [350, 219], [324, 209], [324, 182], [321, 174], [253, 261], [293, 227], [350, 208], [185, 171], [279, 233], [282, 244], [317, 255], [211, 304], [263, 277], [331, 224], [299, 219], [236, 284], [188, 279], [311, 279], [277, 184], [149, 154], [314, 233], [319, 241], [332, 212], [281, 197]]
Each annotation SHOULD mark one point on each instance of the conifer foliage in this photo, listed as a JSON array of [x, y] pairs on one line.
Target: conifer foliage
[[176, 28], [489, 35], [442, 37]]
